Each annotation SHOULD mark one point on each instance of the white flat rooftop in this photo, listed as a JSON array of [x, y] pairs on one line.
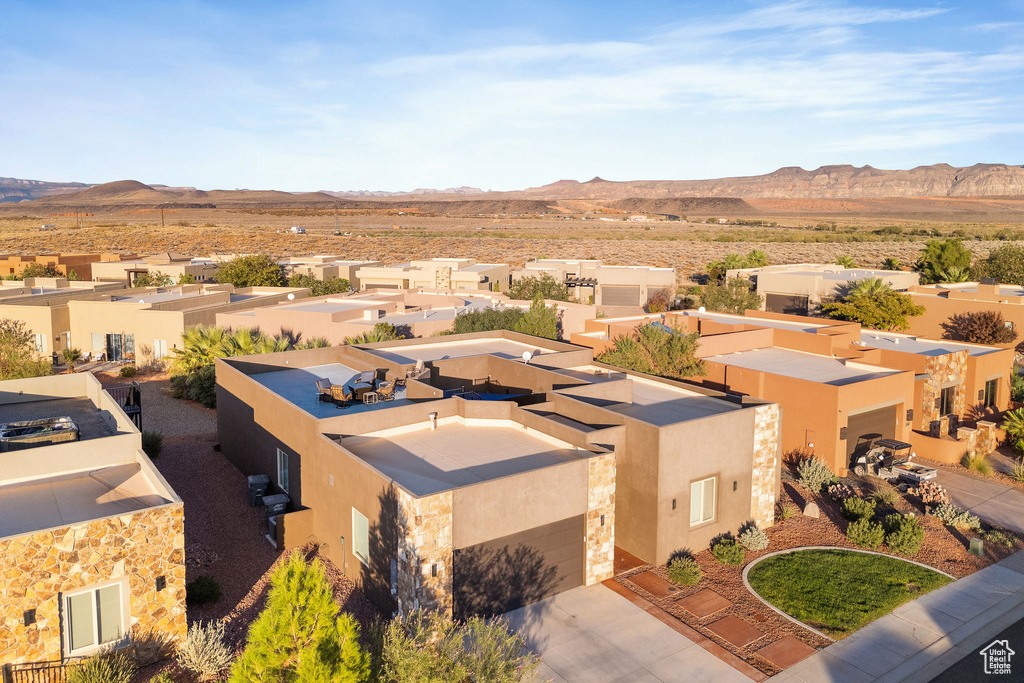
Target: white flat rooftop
[[459, 454], [503, 348], [73, 498], [801, 365], [922, 347]]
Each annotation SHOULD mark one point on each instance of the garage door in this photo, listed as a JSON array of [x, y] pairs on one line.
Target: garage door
[[785, 303], [879, 423], [506, 573], [620, 295]]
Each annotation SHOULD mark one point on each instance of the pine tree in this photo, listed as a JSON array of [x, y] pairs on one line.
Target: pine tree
[[300, 637]]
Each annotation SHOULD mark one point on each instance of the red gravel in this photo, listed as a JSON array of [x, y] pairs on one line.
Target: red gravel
[[943, 548]]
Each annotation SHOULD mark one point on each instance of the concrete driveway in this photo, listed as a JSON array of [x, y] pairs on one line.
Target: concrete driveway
[[590, 634], [990, 500]]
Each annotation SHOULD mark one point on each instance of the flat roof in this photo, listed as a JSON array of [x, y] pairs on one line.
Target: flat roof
[[73, 498], [655, 402], [156, 297], [298, 386], [730, 319], [458, 454], [333, 305], [922, 347], [799, 365], [82, 410], [972, 288], [503, 348]]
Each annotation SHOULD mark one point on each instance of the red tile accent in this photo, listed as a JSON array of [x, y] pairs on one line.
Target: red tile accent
[[786, 652], [735, 630], [654, 584], [703, 603]]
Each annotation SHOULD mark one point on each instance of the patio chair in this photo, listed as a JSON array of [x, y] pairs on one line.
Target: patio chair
[[323, 389], [340, 395], [386, 391], [366, 377]]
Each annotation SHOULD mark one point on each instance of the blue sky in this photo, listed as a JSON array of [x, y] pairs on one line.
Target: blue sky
[[501, 95]]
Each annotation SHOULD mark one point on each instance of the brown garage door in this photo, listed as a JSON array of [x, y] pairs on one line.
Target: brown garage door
[[785, 303], [620, 295], [880, 423], [506, 573]]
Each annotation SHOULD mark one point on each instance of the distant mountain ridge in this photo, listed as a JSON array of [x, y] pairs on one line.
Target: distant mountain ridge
[[383, 193], [17, 190]]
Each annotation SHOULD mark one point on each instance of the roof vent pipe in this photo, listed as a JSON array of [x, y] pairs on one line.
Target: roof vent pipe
[[433, 421]]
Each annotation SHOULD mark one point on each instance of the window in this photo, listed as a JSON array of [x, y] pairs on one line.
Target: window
[[991, 387], [1008, 324], [99, 342], [282, 470], [360, 536], [945, 400], [702, 501], [40, 342], [94, 617], [159, 348]]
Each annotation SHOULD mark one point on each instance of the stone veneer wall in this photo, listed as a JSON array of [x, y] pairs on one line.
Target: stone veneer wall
[[36, 568], [766, 463], [427, 541], [600, 560], [949, 367]]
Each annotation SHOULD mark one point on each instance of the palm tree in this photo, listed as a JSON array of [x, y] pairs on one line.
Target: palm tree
[[1013, 423], [381, 332], [72, 356], [868, 287], [201, 346], [953, 274], [892, 264], [846, 261], [313, 343]]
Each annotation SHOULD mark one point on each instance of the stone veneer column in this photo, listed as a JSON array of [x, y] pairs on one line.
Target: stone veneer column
[[36, 568], [600, 501], [765, 465], [426, 546], [950, 367]]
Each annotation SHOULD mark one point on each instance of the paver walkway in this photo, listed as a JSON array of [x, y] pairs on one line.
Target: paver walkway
[[990, 500], [920, 639], [591, 634]]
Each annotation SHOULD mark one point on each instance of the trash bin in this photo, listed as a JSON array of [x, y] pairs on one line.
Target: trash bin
[[258, 484], [275, 504]]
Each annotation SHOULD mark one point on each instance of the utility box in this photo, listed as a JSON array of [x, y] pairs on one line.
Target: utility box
[[258, 485]]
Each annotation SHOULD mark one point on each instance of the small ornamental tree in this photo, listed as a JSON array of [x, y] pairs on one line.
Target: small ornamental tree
[[332, 285], [187, 279], [540, 320], [655, 351], [941, 258], [154, 279], [735, 296], [1005, 265], [256, 270], [886, 310], [17, 352], [301, 635], [487, 319], [71, 356], [981, 327], [547, 287], [39, 270]]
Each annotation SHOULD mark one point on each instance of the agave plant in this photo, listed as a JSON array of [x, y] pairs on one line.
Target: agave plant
[[1013, 424]]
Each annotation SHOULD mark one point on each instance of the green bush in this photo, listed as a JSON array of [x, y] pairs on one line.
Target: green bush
[[128, 371], [951, 515], [752, 538], [113, 667], [997, 537], [814, 474], [727, 551], [865, 533], [977, 463], [903, 534], [684, 571], [152, 443], [162, 677], [202, 591], [858, 508]]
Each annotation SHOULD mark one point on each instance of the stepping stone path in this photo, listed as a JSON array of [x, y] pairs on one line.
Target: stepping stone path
[[735, 630], [704, 603], [786, 652], [654, 584]]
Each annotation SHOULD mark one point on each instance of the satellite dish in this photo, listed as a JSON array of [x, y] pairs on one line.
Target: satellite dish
[[702, 310], [527, 356], [291, 296], [142, 301]]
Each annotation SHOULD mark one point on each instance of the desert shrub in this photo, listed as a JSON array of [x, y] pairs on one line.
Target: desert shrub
[[1017, 471], [152, 443], [684, 571], [885, 494], [904, 534], [997, 537], [865, 533], [956, 517], [204, 652], [727, 551], [930, 493], [752, 538], [162, 677], [202, 591], [128, 371], [977, 463], [108, 667], [786, 510], [814, 474], [1017, 385], [858, 508], [839, 492]]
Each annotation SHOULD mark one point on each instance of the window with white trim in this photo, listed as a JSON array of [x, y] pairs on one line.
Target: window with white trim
[[702, 501], [361, 536], [40, 342], [159, 348], [94, 617], [282, 470]]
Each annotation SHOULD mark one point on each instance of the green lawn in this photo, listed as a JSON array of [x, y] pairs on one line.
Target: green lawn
[[838, 591]]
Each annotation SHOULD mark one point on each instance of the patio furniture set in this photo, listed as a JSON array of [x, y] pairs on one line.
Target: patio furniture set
[[363, 388]]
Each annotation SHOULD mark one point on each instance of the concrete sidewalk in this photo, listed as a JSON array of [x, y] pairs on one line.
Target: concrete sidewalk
[[992, 501], [922, 638]]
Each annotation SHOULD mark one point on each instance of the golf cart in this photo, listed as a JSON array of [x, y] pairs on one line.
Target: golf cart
[[888, 459]]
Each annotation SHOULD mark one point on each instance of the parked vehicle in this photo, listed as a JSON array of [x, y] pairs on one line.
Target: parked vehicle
[[889, 459]]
